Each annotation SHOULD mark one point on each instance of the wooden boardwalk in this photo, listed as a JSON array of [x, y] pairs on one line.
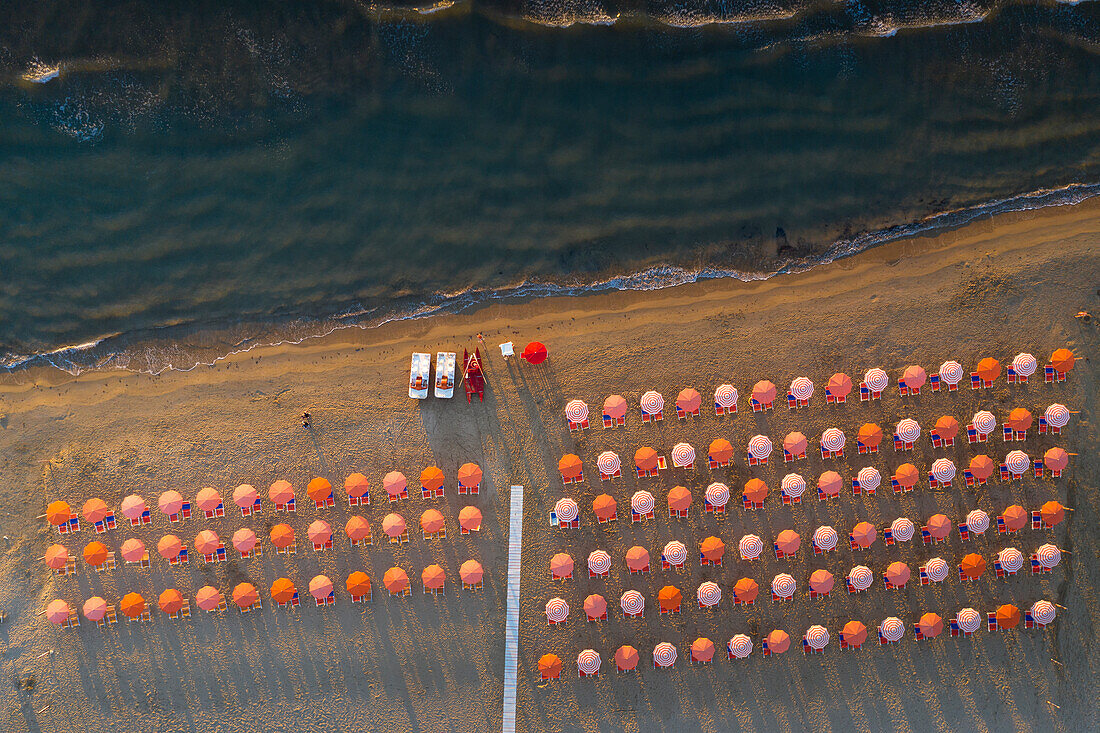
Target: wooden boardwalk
[[511, 629]]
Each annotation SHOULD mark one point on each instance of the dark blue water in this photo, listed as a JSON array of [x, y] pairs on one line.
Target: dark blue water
[[199, 180]]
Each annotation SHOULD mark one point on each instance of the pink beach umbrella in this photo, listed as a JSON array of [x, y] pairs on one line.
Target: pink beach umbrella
[[57, 556], [169, 547], [394, 525], [914, 377], [394, 483], [57, 612], [280, 492], [133, 506], [614, 407], [208, 598], [244, 539], [689, 400], [1056, 459], [133, 550], [320, 587], [95, 608], [206, 542], [208, 499], [319, 532], [170, 502], [244, 496]]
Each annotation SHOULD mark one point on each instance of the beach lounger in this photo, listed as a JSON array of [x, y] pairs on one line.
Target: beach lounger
[[419, 374], [445, 374]]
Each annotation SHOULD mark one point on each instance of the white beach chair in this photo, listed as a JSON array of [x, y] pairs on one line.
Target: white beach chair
[[445, 374], [419, 375]]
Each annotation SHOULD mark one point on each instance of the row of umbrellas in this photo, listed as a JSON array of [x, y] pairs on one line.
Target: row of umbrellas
[[852, 635]]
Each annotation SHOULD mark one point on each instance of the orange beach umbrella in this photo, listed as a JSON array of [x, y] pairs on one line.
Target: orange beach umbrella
[[779, 641], [132, 604], [133, 506], [947, 427], [570, 465], [133, 550], [431, 478], [169, 547], [208, 499], [170, 600], [57, 513], [1052, 513], [988, 369], [206, 542], [57, 556], [208, 598], [433, 577], [550, 666], [864, 534], [471, 572], [1008, 616], [535, 353], [431, 521], [1015, 517], [763, 392], [282, 535], [721, 451], [469, 518], [869, 434], [244, 595], [670, 598], [95, 510], [855, 633], [614, 406], [604, 506], [280, 492], [679, 498], [283, 590], [1019, 420], [170, 502], [356, 485], [981, 467], [756, 490], [95, 553], [357, 528], [244, 539], [645, 458], [689, 400], [626, 658], [788, 541], [712, 548], [396, 580], [469, 475], [319, 532], [394, 525], [939, 526], [358, 583], [319, 489], [1062, 360], [973, 565], [746, 590], [930, 625], [244, 496], [907, 475], [637, 558]]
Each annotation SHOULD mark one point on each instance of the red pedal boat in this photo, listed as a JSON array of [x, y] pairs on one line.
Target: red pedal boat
[[472, 376]]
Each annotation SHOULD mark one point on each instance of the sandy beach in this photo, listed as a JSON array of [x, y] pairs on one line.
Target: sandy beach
[[426, 663]]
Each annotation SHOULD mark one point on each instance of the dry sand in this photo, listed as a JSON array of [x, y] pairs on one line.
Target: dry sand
[[993, 288]]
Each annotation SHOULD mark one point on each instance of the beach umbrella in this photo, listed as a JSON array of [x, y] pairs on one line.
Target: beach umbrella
[[534, 353], [914, 377], [861, 577], [357, 528], [745, 590], [208, 499], [821, 581], [1056, 459], [208, 598], [1019, 420], [588, 662], [394, 483], [637, 558], [664, 654], [670, 598], [170, 502], [817, 637], [133, 506], [395, 580], [280, 492], [679, 499], [720, 450], [595, 606], [652, 402], [793, 485], [206, 542], [95, 510], [760, 447], [57, 612], [829, 483], [908, 430], [788, 541], [614, 407], [689, 400], [169, 547], [783, 585], [599, 562], [977, 521], [1010, 559], [709, 594], [702, 650], [608, 463], [632, 602], [1042, 612], [1017, 462], [1024, 364], [854, 633], [95, 608], [642, 502], [832, 439], [936, 569], [470, 474], [319, 489], [764, 392], [244, 539], [570, 465], [947, 427], [95, 553], [943, 470], [802, 388], [795, 443], [1052, 513], [870, 435], [897, 574], [576, 411], [132, 604], [394, 525], [283, 590], [902, 529], [626, 658], [951, 372], [876, 379], [431, 478], [356, 485], [1008, 616], [557, 610], [566, 509], [471, 572], [469, 518], [984, 422], [864, 534], [321, 587], [675, 553], [756, 491], [1057, 416], [550, 666], [57, 556], [1015, 517], [981, 467], [1062, 360], [683, 455], [988, 369], [1048, 556], [604, 507], [717, 494], [645, 458], [244, 496], [778, 640], [561, 565], [133, 550], [750, 547], [433, 577], [930, 625], [840, 385], [320, 532], [825, 538], [939, 526], [907, 475], [245, 595], [282, 535], [726, 396], [431, 521], [869, 478], [58, 513]]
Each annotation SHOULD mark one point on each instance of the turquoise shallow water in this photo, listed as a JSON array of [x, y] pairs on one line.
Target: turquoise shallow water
[[198, 181]]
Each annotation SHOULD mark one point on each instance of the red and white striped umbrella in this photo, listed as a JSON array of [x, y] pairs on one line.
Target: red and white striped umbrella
[[652, 402], [1057, 415], [968, 620], [760, 446], [664, 654], [1043, 612], [892, 628], [750, 547], [718, 494], [642, 502], [861, 577], [1017, 462], [683, 455], [951, 372], [869, 478], [740, 646], [588, 661], [1011, 559], [566, 509], [876, 379], [726, 395], [675, 553], [936, 569], [576, 411], [832, 439], [793, 485], [802, 388], [1048, 556], [632, 602], [943, 470], [984, 422], [1024, 364], [599, 562], [908, 430], [977, 521], [817, 637], [608, 463], [709, 594], [825, 537], [557, 610], [902, 529], [783, 585]]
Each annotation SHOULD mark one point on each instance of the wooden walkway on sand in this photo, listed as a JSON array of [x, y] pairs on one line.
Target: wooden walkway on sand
[[511, 629]]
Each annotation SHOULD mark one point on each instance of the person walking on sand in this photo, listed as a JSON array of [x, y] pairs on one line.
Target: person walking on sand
[[480, 338], [305, 419]]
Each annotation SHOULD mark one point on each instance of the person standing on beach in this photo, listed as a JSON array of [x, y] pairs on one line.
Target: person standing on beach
[[305, 419]]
